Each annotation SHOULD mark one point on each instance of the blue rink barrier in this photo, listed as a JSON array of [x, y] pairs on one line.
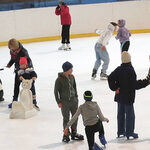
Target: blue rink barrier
[[46, 3]]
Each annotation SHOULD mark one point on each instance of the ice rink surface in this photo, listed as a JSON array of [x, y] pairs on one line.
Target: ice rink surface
[[44, 131]]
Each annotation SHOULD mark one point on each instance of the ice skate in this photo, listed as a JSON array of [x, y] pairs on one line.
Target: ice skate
[[68, 47], [36, 107], [66, 138], [63, 47], [134, 135], [76, 136], [94, 74], [102, 140], [103, 76], [120, 135], [96, 147]]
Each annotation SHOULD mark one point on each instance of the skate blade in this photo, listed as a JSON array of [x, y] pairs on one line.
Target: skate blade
[[103, 78], [67, 49]]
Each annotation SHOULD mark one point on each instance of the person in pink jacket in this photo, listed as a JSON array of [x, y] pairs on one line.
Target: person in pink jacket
[[63, 10]]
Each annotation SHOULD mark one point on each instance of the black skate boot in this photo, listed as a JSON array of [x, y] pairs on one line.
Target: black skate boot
[[133, 135], [76, 136], [103, 76], [94, 74], [66, 138]]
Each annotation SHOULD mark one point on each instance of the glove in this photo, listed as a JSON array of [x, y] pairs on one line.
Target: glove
[[57, 7]]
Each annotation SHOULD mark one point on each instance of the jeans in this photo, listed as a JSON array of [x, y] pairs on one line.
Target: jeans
[[126, 119], [101, 55]]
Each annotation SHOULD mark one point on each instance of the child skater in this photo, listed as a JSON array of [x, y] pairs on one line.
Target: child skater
[[123, 35], [92, 120], [101, 51], [28, 73]]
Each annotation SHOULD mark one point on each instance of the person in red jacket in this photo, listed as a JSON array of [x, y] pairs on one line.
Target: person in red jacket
[[63, 10]]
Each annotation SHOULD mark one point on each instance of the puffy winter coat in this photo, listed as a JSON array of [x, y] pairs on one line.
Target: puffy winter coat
[[124, 77], [64, 14]]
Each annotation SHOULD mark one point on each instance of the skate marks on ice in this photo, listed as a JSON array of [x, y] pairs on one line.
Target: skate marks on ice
[[63, 145]]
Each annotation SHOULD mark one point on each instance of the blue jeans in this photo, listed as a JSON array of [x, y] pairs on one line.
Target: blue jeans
[[101, 55], [126, 119]]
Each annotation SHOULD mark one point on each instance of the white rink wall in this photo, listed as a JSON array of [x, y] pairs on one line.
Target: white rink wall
[[42, 22]]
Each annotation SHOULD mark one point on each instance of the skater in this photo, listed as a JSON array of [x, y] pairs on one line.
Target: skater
[[1, 92], [67, 99], [28, 73], [123, 81], [101, 51], [123, 35], [17, 51], [63, 10], [92, 119]]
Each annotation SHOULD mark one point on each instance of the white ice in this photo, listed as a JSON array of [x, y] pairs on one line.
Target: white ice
[[44, 131]]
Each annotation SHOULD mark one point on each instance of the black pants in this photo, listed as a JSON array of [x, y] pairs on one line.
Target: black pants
[[90, 132], [17, 85], [125, 46], [65, 34]]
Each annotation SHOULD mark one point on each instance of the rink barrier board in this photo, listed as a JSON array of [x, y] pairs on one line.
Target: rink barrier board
[[52, 38]]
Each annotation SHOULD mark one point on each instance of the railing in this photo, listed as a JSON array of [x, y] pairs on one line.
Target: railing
[[6, 5]]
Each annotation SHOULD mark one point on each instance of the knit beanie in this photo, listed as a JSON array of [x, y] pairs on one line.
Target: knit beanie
[[88, 95], [23, 60], [67, 66], [125, 57], [60, 1]]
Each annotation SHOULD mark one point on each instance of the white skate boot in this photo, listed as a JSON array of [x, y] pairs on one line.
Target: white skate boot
[[68, 47], [63, 47], [103, 76]]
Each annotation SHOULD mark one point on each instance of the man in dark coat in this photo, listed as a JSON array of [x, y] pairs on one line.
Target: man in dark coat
[[17, 51], [124, 81]]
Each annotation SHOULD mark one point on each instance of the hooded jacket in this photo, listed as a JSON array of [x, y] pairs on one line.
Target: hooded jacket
[[64, 14], [90, 112], [15, 57], [105, 35], [65, 88], [123, 34]]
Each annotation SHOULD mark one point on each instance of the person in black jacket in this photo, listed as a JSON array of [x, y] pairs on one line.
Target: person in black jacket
[[17, 51], [124, 81]]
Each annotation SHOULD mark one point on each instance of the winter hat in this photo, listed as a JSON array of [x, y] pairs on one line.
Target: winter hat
[[88, 95], [67, 66], [23, 60], [125, 57], [60, 1]]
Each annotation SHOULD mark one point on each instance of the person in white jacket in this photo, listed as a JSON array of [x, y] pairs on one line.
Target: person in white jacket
[[101, 51]]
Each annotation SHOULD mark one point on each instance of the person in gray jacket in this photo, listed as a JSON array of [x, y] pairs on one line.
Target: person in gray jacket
[[92, 120], [67, 99]]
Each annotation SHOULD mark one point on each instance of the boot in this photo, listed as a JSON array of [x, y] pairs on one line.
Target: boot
[[94, 74], [102, 139], [134, 135], [68, 47], [36, 107], [63, 47], [103, 76], [66, 138], [76, 136]]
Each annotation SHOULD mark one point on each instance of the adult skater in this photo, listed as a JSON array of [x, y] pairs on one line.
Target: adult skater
[[92, 119], [67, 99], [63, 10], [123, 80], [123, 35], [101, 51], [17, 51]]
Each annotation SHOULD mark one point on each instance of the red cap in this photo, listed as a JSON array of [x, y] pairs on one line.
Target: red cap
[[23, 60]]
